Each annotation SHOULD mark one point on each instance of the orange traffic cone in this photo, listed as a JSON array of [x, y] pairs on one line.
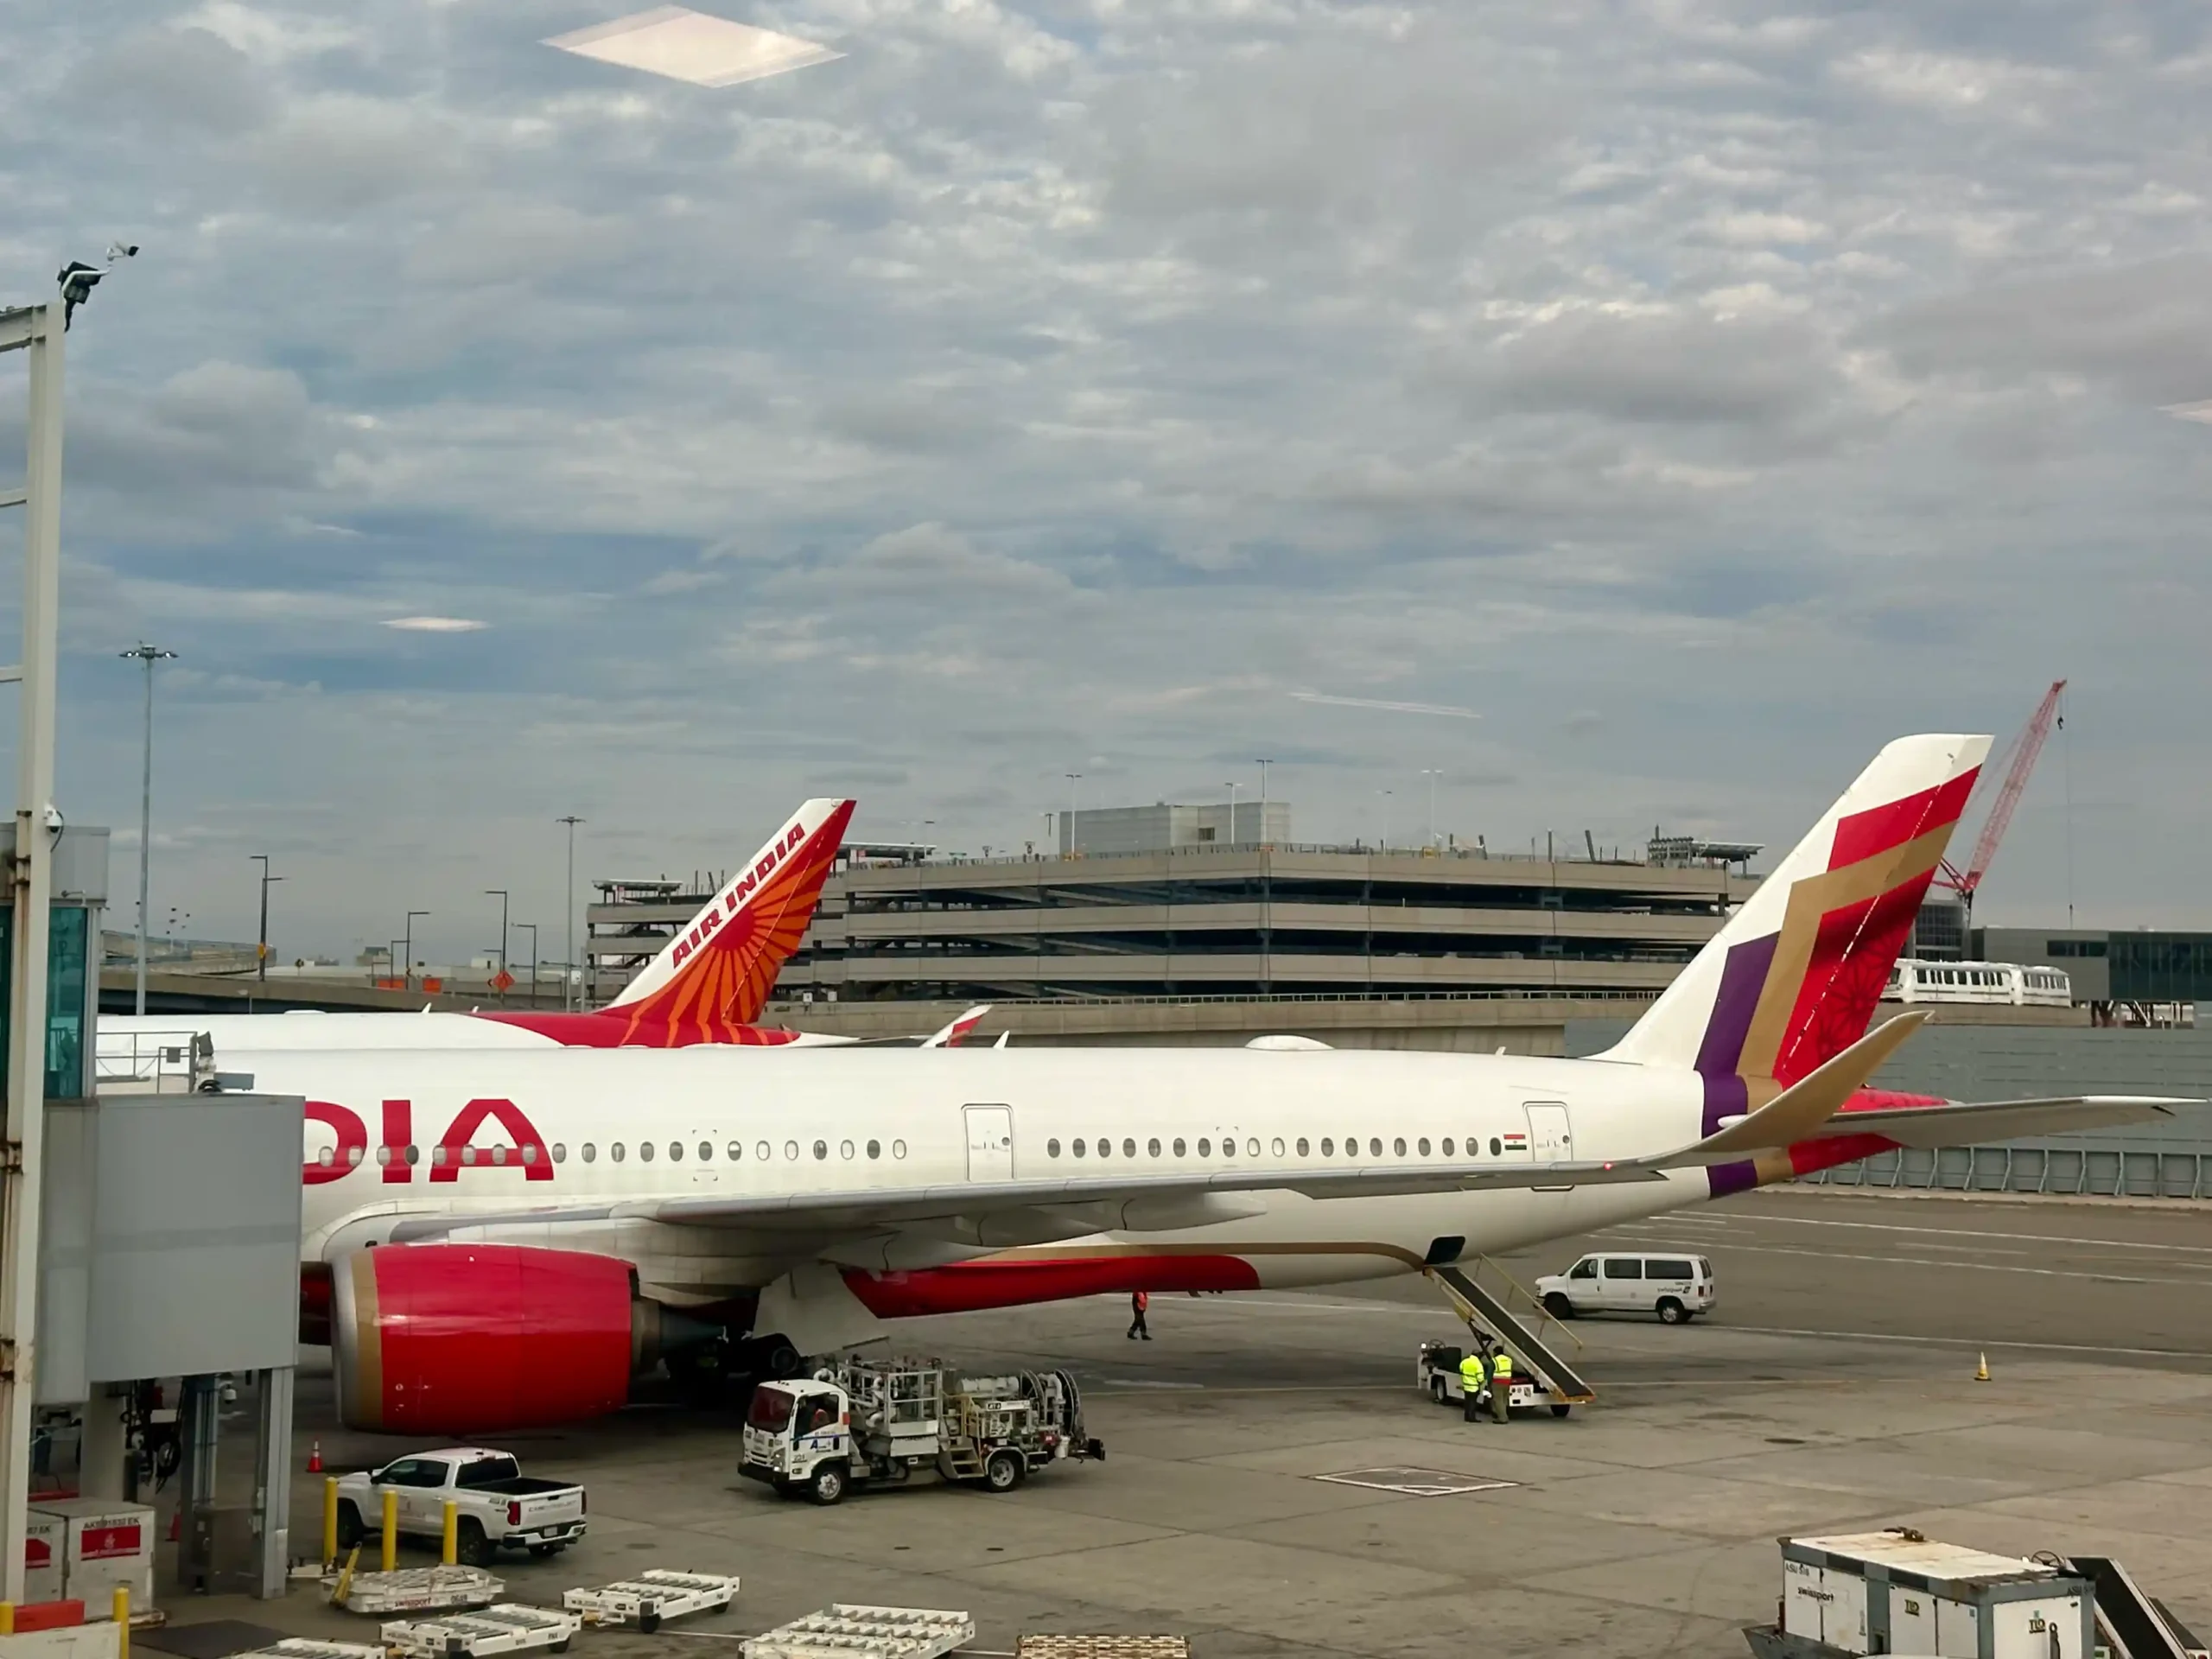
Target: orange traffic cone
[[314, 1456], [176, 1525], [1981, 1371]]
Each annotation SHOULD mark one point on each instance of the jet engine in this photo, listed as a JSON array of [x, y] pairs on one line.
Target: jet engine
[[457, 1339]]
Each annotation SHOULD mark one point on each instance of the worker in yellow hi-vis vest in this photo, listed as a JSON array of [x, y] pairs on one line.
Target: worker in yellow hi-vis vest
[[1501, 1386], [1475, 1371]]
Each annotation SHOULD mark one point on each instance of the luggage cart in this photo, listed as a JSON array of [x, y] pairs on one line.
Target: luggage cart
[[845, 1630], [505, 1627], [655, 1595], [419, 1590], [301, 1647]]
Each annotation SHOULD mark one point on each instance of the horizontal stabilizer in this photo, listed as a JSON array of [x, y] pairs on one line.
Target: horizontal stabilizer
[[1799, 1111], [1984, 1123]]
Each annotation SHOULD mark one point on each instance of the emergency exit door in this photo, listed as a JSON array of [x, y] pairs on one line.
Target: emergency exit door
[[990, 1142]]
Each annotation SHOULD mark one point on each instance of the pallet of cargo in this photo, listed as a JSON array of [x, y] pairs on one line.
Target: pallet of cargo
[[417, 1590], [655, 1595], [847, 1631], [506, 1627], [1102, 1647]]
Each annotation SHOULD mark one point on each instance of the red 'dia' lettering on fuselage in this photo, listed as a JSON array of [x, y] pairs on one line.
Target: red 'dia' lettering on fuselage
[[455, 1149]]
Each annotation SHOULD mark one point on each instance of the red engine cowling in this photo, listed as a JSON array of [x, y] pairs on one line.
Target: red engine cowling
[[459, 1338]]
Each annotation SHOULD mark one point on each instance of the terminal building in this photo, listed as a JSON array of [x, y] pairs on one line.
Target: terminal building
[[1177, 900]]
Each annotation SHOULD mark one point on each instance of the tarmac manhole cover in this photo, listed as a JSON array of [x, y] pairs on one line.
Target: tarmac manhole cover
[[1418, 1483]]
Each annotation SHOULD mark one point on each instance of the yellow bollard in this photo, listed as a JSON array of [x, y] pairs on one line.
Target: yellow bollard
[[449, 1547], [391, 1529], [330, 1521], [6, 1619], [122, 1621]]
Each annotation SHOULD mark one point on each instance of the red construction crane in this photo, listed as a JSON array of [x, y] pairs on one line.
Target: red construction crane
[[2023, 752]]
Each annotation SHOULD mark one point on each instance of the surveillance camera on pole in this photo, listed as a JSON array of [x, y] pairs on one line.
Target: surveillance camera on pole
[[78, 279]]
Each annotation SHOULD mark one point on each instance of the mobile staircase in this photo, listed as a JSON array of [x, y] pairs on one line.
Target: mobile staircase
[[2131, 1624], [1484, 1311]]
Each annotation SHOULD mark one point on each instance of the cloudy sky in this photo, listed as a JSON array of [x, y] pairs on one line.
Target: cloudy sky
[[1702, 392]]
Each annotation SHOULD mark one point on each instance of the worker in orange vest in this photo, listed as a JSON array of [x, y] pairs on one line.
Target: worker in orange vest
[[1138, 1302]]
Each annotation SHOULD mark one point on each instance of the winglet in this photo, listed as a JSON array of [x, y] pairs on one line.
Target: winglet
[[1799, 1111]]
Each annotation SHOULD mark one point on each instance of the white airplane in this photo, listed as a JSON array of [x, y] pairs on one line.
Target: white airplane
[[707, 985], [545, 1225]]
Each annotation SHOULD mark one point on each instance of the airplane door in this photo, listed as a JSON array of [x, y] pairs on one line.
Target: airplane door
[[1551, 1136], [990, 1142]]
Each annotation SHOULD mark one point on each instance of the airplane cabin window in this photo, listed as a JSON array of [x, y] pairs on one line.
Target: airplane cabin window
[[1179, 1146], [645, 1152], [1252, 1148], [1276, 1147], [414, 1154], [1052, 1149], [1205, 1148], [354, 1157], [675, 1151], [1422, 1146], [1301, 1146], [1078, 1146], [468, 1155], [1151, 1147], [591, 1153], [1398, 1147], [615, 1152], [790, 1150], [762, 1152], [821, 1150], [384, 1155], [1494, 1147], [529, 1154], [706, 1152], [1128, 1148], [560, 1152], [1448, 1145], [1328, 1147], [898, 1148], [1373, 1146], [844, 1149]]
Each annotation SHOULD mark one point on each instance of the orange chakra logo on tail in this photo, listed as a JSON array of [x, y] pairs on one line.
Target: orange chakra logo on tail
[[725, 965]]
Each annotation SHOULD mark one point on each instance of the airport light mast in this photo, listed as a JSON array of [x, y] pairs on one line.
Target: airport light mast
[[148, 655]]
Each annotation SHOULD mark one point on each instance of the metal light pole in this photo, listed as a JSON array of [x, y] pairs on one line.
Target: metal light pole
[[1264, 764], [261, 957], [1384, 844], [1432, 774], [1073, 778], [568, 907], [531, 928], [1232, 812], [407, 943], [148, 655], [501, 893], [38, 331]]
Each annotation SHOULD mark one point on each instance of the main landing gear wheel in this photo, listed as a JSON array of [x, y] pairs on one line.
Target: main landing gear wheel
[[1003, 1472], [1672, 1312], [1557, 1306]]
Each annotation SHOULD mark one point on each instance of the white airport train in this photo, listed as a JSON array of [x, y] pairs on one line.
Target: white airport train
[[2000, 984], [499, 1239]]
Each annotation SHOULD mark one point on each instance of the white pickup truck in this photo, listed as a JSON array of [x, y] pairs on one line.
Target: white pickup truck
[[495, 1505]]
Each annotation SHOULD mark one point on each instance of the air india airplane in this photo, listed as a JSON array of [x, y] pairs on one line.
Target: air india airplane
[[497, 1240], [708, 985]]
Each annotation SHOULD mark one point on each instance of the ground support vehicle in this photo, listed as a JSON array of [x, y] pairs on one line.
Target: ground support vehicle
[[653, 1596], [861, 1420], [302, 1647], [846, 1630], [1437, 1372], [1675, 1285], [505, 1628], [497, 1506]]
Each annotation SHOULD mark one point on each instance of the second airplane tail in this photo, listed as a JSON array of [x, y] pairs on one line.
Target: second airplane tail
[[717, 973]]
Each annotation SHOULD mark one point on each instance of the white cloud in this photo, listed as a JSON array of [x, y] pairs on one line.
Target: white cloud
[[436, 623]]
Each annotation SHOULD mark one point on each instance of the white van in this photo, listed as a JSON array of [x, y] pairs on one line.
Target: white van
[[1674, 1287]]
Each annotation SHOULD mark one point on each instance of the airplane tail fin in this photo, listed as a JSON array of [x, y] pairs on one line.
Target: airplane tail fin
[[1792, 979], [717, 973]]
